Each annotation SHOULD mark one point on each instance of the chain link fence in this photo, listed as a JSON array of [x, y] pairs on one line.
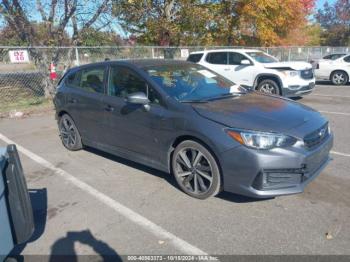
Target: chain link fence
[[27, 83]]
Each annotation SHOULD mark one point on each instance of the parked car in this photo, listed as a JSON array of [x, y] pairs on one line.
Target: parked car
[[185, 119], [336, 70], [259, 71], [16, 213]]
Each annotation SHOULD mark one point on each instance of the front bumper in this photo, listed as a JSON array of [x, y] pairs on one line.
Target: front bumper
[[265, 174], [298, 90]]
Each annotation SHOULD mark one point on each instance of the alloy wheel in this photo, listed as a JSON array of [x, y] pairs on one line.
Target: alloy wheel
[[339, 78], [68, 133], [268, 89], [193, 170]]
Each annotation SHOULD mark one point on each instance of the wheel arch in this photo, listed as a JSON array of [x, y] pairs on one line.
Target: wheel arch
[[338, 70], [182, 138], [61, 113], [264, 76]]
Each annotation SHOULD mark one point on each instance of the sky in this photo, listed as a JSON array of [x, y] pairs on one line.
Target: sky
[[319, 3]]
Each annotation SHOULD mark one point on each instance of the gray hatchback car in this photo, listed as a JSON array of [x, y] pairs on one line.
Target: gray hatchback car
[[184, 119]]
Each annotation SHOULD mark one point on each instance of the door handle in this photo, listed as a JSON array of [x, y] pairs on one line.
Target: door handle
[[227, 69], [109, 108], [72, 101]]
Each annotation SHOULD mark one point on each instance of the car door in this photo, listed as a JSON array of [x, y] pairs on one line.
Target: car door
[[84, 101], [16, 213], [129, 127], [240, 73], [218, 62]]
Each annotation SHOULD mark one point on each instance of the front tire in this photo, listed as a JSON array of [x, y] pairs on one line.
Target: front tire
[[339, 78], [195, 169], [269, 86], [69, 133]]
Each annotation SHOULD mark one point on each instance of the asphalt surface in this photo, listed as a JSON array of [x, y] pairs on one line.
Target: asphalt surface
[[80, 210]]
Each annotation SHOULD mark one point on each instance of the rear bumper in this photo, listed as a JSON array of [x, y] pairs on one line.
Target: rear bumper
[[265, 174]]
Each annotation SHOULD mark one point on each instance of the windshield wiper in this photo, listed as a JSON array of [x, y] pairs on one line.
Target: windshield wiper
[[223, 96], [195, 101]]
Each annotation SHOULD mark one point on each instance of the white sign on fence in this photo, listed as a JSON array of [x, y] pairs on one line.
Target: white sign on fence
[[19, 56], [184, 53]]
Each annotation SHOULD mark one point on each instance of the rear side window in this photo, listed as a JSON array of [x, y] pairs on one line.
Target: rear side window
[[91, 79], [218, 58], [195, 58], [73, 79]]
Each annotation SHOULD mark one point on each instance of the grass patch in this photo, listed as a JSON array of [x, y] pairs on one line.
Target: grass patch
[[21, 99]]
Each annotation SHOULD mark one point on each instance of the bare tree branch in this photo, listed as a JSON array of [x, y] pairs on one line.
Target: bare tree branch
[[41, 10], [102, 8]]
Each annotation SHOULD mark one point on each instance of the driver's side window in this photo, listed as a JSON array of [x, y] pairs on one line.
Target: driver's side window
[[123, 82], [236, 58]]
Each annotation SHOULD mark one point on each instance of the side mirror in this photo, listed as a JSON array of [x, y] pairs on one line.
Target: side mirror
[[245, 62], [138, 98]]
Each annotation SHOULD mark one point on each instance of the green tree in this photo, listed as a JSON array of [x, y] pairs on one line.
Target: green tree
[[93, 37]]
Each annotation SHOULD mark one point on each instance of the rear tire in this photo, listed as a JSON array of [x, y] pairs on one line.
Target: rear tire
[[69, 133], [195, 169], [269, 86], [339, 78]]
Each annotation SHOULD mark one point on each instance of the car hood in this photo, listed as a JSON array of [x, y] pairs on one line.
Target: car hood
[[289, 65], [261, 112]]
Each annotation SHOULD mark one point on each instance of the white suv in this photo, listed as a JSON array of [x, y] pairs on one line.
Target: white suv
[[337, 70], [258, 70]]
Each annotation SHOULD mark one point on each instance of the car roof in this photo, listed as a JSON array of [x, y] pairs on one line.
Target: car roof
[[140, 63], [227, 50]]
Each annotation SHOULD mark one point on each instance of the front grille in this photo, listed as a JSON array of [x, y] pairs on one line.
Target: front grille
[[307, 74], [317, 136]]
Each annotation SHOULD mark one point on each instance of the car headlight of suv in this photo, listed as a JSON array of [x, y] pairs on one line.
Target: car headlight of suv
[[291, 73], [261, 140]]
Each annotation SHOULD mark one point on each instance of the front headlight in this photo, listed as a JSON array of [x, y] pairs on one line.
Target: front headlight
[[261, 140], [291, 73]]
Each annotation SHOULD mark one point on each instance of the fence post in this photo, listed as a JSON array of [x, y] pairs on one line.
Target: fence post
[[77, 56], [289, 53], [152, 52]]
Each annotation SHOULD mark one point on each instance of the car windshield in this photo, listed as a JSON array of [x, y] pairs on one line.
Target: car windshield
[[192, 83], [261, 57]]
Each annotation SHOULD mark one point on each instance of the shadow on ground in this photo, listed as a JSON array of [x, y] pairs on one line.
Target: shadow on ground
[[63, 248], [168, 177]]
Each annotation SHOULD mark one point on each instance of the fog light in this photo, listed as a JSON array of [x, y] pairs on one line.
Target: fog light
[[278, 179]]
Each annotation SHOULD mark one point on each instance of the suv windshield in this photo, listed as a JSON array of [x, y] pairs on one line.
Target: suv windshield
[[261, 57], [192, 82]]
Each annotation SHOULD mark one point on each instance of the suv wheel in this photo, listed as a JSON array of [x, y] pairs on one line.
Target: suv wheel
[[196, 170], [339, 78], [69, 133], [268, 86]]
